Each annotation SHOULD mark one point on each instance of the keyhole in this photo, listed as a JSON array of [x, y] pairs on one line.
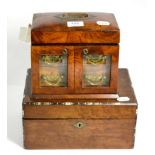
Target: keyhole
[[80, 125]]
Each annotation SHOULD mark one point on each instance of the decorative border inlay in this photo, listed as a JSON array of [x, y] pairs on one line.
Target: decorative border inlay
[[75, 103]]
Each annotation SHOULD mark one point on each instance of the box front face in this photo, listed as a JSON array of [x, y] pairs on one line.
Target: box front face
[[79, 133], [52, 69], [95, 72], [96, 69]]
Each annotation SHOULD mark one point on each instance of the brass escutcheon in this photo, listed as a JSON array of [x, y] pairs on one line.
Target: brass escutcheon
[[79, 125], [74, 16]]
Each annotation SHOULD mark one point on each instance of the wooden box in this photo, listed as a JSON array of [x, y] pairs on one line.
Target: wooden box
[[105, 123], [74, 55]]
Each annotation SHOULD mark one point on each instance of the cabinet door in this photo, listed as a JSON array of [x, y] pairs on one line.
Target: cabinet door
[[96, 69], [52, 69]]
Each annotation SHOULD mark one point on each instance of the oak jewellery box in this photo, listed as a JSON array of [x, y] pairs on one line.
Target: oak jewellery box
[[75, 95]]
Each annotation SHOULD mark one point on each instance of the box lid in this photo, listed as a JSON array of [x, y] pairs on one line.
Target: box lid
[[74, 28]]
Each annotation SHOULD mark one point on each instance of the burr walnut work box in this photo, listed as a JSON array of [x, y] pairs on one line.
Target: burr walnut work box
[[74, 93]]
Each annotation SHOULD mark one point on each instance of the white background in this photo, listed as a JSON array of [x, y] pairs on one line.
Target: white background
[[136, 19]]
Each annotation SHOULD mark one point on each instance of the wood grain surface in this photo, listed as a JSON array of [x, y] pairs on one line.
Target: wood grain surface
[[54, 134], [52, 28]]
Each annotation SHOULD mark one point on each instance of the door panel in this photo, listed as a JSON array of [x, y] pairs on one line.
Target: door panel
[[96, 69], [52, 69]]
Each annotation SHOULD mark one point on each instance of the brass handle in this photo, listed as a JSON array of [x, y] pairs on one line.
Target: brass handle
[[64, 51], [79, 125], [95, 58], [85, 51]]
